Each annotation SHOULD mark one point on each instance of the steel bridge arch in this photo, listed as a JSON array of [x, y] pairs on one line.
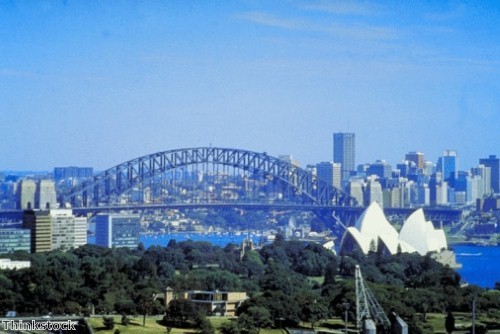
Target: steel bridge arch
[[123, 177]]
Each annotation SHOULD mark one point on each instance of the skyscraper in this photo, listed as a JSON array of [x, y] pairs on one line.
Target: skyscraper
[[417, 158], [329, 172], [494, 163], [448, 166], [344, 153]]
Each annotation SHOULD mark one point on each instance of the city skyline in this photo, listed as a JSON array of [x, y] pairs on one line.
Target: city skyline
[[96, 84]]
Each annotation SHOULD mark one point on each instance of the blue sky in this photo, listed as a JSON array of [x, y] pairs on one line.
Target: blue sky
[[96, 83]]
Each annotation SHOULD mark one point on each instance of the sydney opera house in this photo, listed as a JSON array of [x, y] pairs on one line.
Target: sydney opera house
[[373, 232]]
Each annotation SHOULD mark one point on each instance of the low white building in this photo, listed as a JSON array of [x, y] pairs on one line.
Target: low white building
[[9, 264]]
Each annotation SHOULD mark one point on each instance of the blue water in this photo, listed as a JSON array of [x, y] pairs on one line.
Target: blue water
[[218, 239], [480, 264]]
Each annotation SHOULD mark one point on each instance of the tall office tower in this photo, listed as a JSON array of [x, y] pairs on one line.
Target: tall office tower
[[117, 230], [484, 173], [380, 168], [373, 192], [344, 153], [448, 166], [330, 172], [417, 158], [40, 225], [55, 229], [46, 197], [429, 168], [26, 194], [354, 188], [438, 190], [494, 163]]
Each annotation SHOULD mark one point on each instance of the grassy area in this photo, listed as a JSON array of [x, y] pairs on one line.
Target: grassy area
[[436, 320], [135, 326], [153, 327]]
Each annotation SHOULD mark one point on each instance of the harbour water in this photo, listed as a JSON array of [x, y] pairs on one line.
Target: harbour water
[[480, 264]]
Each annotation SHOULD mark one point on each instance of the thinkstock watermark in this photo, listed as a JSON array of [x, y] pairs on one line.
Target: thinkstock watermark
[[39, 325]]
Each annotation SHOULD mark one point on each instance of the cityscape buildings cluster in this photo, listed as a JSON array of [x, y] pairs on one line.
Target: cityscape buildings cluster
[[415, 182]]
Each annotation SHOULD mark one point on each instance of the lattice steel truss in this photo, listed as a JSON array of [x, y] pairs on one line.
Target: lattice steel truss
[[106, 186], [367, 306]]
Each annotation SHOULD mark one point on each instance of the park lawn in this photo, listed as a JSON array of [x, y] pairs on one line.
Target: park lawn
[[135, 326], [152, 326]]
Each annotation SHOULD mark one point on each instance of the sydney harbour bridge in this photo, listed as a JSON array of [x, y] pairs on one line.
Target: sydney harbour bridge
[[214, 177]]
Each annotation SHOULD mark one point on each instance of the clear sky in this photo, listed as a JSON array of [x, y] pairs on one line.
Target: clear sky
[[97, 83]]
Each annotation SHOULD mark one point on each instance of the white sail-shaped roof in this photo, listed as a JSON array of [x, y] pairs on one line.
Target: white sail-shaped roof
[[416, 235], [372, 227], [421, 234]]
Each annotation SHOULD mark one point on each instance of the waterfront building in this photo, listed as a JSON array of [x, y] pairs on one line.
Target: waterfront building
[[344, 153], [14, 239], [373, 232], [117, 230], [494, 163], [330, 172]]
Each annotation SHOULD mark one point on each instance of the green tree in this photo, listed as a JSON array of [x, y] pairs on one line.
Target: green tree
[[255, 317], [230, 327], [449, 323], [179, 312], [108, 322]]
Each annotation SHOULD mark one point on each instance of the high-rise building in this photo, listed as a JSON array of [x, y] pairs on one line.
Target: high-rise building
[[344, 153], [448, 166], [330, 172], [484, 173], [67, 230], [40, 225], [380, 168], [494, 163], [55, 229], [117, 230], [417, 158]]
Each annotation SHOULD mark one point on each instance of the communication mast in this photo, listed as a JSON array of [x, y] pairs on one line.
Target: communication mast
[[367, 307]]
